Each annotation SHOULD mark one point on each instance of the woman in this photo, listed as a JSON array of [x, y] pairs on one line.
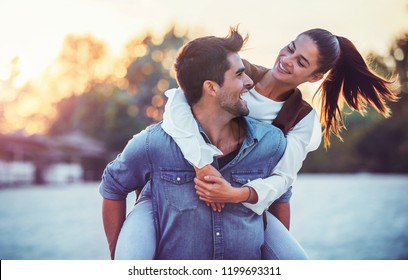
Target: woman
[[306, 59]]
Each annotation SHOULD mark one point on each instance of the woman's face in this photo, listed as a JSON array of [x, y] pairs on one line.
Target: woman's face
[[297, 62]]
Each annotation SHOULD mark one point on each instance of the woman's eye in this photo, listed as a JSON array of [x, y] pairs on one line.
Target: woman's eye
[[301, 64]]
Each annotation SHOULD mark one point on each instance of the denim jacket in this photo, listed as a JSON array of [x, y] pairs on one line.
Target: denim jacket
[[186, 227]]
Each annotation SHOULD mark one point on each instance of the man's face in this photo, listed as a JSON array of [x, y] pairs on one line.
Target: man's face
[[236, 83]]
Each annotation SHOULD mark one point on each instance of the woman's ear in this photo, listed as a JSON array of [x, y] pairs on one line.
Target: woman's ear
[[316, 77]]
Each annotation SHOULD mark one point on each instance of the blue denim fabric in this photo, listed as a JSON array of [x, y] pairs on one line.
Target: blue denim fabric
[[186, 227], [280, 244], [137, 238]]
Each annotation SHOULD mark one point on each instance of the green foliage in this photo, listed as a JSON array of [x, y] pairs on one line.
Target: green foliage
[[111, 114], [101, 113], [151, 74]]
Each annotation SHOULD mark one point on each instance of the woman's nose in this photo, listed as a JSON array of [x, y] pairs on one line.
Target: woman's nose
[[287, 60]]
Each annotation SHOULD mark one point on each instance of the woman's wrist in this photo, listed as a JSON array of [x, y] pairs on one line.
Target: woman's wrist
[[249, 195], [245, 194]]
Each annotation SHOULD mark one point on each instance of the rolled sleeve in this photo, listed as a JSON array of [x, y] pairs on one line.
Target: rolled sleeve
[[268, 190]]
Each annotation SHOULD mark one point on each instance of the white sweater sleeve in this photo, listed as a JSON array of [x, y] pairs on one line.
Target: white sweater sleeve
[[179, 123], [301, 139]]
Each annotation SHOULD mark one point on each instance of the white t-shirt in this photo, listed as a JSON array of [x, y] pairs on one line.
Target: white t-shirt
[[304, 137]]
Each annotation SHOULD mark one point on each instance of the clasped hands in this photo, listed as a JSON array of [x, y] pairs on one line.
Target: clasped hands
[[213, 189]]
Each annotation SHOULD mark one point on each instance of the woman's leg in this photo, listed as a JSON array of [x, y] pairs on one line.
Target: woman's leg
[[279, 242], [137, 238], [282, 212]]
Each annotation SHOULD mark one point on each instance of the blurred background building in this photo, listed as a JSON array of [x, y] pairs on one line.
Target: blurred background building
[[41, 159]]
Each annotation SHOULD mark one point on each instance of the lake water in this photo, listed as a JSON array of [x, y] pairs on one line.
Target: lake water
[[335, 217]]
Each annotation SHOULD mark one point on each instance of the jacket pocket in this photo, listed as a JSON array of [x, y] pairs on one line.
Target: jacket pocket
[[245, 176], [179, 189]]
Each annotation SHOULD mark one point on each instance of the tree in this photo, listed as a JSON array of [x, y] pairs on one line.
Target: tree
[[79, 66], [107, 110], [385, 147], [151, 73], [101, 113]]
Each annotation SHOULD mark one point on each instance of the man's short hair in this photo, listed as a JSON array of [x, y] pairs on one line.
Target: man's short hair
[[205, 58]]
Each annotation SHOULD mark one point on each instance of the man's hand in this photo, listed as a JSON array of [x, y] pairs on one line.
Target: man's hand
[[113, 214], [215, 189], [205, 171]]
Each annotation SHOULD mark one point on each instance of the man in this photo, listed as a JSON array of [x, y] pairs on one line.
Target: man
[[212, 76]]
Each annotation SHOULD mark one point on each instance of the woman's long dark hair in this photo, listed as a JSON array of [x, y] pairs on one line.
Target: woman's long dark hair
[[348, 77]]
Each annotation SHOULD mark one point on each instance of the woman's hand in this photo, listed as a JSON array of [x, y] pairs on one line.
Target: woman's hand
[[205, 171], [219, 190]]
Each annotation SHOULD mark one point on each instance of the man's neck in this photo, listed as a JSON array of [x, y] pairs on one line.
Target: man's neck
[[224, 131]]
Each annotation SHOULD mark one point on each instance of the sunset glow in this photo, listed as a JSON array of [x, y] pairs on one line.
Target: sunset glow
[[33, 34]]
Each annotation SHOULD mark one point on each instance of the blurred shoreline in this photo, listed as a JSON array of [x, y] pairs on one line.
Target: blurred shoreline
[[334, 216]]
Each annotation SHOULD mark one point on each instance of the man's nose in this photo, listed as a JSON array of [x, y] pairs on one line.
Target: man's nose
[[248, 81]]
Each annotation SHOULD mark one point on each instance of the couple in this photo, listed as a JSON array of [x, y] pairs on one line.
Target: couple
[[179, 216]]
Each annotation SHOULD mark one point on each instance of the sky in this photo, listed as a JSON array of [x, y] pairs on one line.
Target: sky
[[34, 30]]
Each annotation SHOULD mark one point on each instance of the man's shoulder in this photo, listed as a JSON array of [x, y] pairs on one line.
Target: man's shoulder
[[152, 140], [255, 122], [260, 126], [153, 131], [154, 128], [156, 133], [258, 129]]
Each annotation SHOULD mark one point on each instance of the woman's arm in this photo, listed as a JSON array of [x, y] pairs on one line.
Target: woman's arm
[[219, 190], [301, 139]]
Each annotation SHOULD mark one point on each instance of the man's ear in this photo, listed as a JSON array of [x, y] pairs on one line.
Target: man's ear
[[210, 87], [316, 77]]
